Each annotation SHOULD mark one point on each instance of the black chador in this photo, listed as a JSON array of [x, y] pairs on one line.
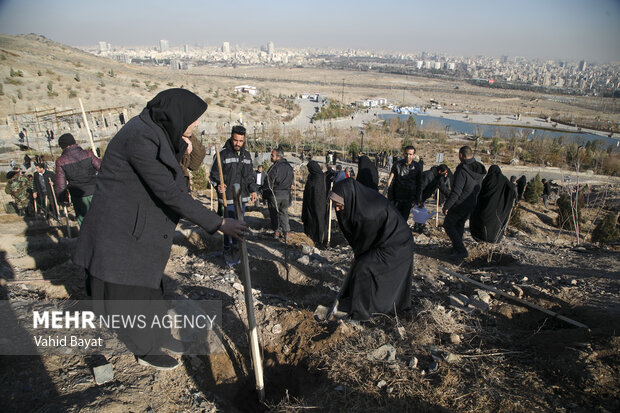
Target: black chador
[[521, 184], [367, 173], [380, 277], [495, 201], [314, 207]]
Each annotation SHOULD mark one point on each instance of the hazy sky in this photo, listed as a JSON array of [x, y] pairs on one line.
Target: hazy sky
[[554, 29]]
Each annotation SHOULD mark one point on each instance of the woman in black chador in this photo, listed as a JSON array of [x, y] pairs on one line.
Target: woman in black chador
[[495, 200], [380, 277], [521, 185], [367, 173], [314, 208]]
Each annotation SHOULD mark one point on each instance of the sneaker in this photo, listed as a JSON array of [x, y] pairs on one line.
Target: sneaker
[[158, 361], [174, 346]]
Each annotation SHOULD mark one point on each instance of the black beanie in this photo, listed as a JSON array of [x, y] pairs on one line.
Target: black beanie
[[66, 140]]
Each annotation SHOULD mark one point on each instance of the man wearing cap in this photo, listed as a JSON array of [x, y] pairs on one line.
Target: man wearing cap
[[76, 170]]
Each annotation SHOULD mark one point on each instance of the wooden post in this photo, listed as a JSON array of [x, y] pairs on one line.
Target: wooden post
[[219, 168], [437, 210], [512, 297], [329, 223], [211, 204], [249, 302], [54, 197], [68, 223], [90, 136], [387, 186]]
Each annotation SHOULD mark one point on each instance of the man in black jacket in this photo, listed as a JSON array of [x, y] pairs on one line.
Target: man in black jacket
[[462, 200], [406, 187], [437, 177], [277, 191], [237, 169], [42, 189]]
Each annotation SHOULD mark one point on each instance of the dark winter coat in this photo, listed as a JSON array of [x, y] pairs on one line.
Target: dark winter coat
[[314, 206], [380, 277], [431, 180], [79, 167], [237, 169], [279, 180], [407, 182], [466, 186], [141, 193], [45, 189]]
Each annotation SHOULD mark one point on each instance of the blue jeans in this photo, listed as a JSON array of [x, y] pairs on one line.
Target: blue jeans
[[230, 242]]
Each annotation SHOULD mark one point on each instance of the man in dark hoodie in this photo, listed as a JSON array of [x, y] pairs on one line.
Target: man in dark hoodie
[[236, 169], [277, 191], [76, 170], [462, 200]]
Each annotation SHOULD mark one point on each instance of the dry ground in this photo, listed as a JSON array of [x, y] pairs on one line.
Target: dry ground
[[506, 358]]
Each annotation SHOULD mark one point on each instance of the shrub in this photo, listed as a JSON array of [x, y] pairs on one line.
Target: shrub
[[534, 190], [607, 230], [565, 218], [199, 179], [11, 81]]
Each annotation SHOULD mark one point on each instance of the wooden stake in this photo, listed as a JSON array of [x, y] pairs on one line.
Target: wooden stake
[[211, 204], [68, 224], [387, 186], [512, 297], [329, 223], [90, 136], [219, 169], [437, 210], [249, 302], [54, 197]]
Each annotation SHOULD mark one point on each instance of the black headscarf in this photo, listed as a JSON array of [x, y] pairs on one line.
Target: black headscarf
[[495, 201], [367, 173], [174, 110], [314, 207]]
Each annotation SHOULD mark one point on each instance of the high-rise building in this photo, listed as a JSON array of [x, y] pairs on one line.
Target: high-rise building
[[271, 48], [226, 47], [163, 46], [186, 48], [103, 47], [582, 65]]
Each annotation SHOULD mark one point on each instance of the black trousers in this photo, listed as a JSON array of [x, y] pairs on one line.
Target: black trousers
[[278, 212], [133, 301], [454, 224], [404, 207]]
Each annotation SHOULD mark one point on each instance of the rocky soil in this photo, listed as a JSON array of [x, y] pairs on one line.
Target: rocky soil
[[461, 348]]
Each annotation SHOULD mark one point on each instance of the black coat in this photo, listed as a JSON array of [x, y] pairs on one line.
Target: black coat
[[141, 193], [45, 189], [466, 186], [236, 169], [381, 274], [279, 179], [407, 181], [495, 201], [431, 180], [367, 173], [314, 206]]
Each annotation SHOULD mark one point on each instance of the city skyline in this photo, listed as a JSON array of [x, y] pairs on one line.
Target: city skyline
[[571, 29]]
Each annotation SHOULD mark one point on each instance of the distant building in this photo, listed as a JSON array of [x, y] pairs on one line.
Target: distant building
[[271, 49], [419, 64], [451, 66], [582, 65], [104, 47], [163, 46], [176, 64], [436, 65], [250, 90], [371, 103], [186, 49], [226, 47]]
